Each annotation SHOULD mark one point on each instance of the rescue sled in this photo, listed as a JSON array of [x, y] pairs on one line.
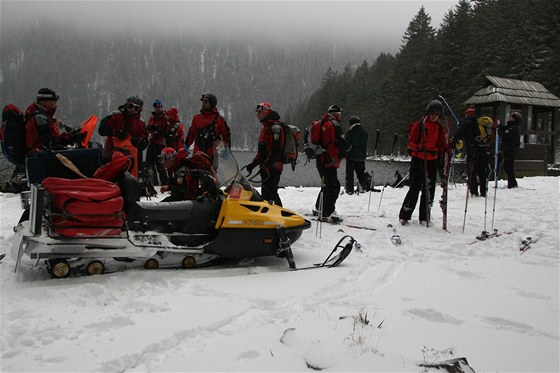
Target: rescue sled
[[93, 226]]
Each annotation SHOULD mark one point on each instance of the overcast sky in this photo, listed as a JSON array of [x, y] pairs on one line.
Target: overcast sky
[[379, 22]]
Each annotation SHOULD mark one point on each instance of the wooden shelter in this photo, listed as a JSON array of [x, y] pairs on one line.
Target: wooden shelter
[[539, 109]]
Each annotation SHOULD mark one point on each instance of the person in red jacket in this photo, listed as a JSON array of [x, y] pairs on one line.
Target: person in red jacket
[[42, 130], [332, 140], [125, 131], [174, 131], [189, 178], [156, 142], [269, 154], [207, 126], [426, 143]]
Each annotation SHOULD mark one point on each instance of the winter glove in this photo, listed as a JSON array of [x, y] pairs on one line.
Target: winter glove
[[120, 134], [309, 152], [139, 143], [250, 167]]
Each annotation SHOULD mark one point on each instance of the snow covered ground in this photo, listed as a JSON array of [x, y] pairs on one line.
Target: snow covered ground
[[386, 308]]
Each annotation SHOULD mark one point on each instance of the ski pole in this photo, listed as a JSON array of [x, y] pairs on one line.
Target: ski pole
[[376, 143], [402, 180], [319, 227], [393, 147], [469, 178], [496, 148], [370, 189], [489, 173], [381, 198]]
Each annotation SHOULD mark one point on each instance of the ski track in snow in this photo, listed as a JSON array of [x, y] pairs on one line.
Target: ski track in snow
[[433, 290]]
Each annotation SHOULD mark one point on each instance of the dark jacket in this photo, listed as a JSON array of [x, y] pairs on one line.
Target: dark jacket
[[509, 135], [357, 136]]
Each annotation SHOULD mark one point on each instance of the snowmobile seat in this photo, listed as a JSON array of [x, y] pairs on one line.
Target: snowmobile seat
[[130, 188], [193, 217]]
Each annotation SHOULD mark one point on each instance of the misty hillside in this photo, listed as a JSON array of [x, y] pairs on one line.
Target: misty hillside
[[95, 73]]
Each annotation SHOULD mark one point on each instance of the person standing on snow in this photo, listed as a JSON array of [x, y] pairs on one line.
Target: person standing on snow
[[426, 143], [332, 140], [156, 141], [357, 136], [269, 154], [42, 130], [476, 143], [125, 131], [509, 134], [207, 126], [174, 130]]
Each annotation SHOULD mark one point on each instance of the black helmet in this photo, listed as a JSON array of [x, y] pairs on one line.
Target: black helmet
[[435, 106], [134, 99], [334, 109], [210, 98], [517, 116], [354, 119]]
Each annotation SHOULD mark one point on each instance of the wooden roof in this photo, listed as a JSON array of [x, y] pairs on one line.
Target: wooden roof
[[512, 91]]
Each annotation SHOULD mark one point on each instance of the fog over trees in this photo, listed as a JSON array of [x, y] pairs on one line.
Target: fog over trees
[[95, 68]]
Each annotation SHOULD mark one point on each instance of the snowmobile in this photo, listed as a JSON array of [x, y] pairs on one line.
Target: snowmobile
[[235, 223]]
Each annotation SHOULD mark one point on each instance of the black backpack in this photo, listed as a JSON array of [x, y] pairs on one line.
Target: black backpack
[[12, 134]]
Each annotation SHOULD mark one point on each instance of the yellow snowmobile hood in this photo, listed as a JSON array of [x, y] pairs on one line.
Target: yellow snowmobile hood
[[236, 213]]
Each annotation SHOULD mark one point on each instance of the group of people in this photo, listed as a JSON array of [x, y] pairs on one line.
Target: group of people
[[427, 143], [186, 177]]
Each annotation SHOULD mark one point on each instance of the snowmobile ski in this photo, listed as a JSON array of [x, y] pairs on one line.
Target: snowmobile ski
[[2, 256], [334, 261]]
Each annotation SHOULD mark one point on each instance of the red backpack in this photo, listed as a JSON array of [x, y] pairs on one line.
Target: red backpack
[[12, 134]]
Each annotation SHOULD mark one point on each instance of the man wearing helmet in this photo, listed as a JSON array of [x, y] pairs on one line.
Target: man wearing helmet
[[269, 154], [332, 140], [189, 178], [509, 133], [426, 143], [207, 126], [125, 131]]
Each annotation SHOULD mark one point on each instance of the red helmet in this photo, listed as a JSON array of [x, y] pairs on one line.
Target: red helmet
[[167, 154], [263, 106], [173, 114]]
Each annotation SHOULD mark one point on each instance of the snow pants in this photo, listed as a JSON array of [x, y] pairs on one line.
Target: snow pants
[[269, 189], [417, 185], [477, 164], [359, 167], [330, 190]]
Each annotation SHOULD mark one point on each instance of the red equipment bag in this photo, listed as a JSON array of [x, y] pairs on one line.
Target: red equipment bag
[[111, 171], [82, 189]]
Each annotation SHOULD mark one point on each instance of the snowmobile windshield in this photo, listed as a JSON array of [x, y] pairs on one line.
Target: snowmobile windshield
[[234, 183]]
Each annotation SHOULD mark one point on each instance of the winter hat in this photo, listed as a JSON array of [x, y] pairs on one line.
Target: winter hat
[[517, 116], [354, 119], [47, 94], [263, 106], [470, 111], [334, 109], [210, 98], [167, 154], [158, 103], [200, 160], [173, 114]]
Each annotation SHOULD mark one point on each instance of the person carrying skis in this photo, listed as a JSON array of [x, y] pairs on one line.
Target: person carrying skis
[[125, 131], [189, 178], [357, 136], [426, 143], [42, 130], [477, 144], [269, 154], [156, 141], [332, 140], [207, 126], [509, 134]]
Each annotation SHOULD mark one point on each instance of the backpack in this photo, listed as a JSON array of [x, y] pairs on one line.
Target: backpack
[[292, 137], [313, 138], [485, 126], [12, 134]]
